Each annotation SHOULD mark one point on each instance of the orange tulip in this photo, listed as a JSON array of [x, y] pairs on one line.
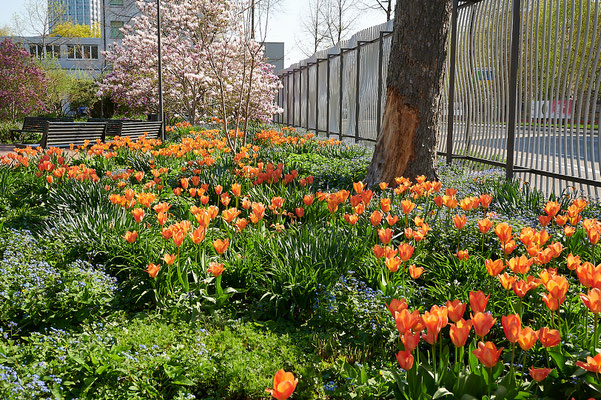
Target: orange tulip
[[415, 272], [198, 235], [385, 205], [153, 270], [512, 325], [478, 301], [379, 251], [503, 231], [433, 321], [385, 235], [221, 245], [300, 212], [397, 306], [230, 214], [482, 323], [520, 265], [507, 280], [375, 218], [449, 201], [405, 251], [241, 224], [549, 337], [488, 354], [236, 189], [308, 199], [544, 219], [573, 262], [430, 337], [407, 206], [405, 320], [593, 300], [459, 332], [169, 258], [138, 214], [539, 374], [484, 225], [393, 264], [358, 186], [283, 385], [438, 200], [459, 221], [593, 364], [405, 359], [462, 255], [485, 200], [455, 310], [527, 338], [410, 340], [553, 303], [351, 218], [520, 287], [131, 237], [495, 267], [390, 220], [216, 269], [552, 208]]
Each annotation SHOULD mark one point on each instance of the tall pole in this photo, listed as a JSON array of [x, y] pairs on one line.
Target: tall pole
[[161, 115], [252, 20], [103, 68], [451, 105], [513, 83]]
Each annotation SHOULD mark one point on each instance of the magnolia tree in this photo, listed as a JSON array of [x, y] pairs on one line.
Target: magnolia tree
[[22, 83], [210, 67]]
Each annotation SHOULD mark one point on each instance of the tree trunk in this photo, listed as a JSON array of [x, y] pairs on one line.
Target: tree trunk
[[406, 145]]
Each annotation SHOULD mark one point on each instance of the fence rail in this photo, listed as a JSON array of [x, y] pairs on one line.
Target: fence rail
[[521, 90]]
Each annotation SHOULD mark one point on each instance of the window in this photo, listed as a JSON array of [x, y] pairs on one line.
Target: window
[[50, 51], [82, 52], [116, 2], [116, 29]]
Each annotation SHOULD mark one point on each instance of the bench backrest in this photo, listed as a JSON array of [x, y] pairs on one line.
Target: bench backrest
[[136, 129], [36, 124], [63, 134], [113, 126]]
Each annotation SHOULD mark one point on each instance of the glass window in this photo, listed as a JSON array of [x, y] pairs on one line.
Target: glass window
[[71, 51], [116, 29], [86, 52], [95, 52], [53, 51], [116, 2], [78, 52]]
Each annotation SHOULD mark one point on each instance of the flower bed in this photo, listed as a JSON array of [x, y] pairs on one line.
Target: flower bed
[[179, 269]]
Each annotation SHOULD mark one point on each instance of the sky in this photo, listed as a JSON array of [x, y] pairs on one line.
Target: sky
[[284, 26]]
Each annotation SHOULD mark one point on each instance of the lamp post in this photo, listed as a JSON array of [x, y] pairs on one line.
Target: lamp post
[[161, 115]]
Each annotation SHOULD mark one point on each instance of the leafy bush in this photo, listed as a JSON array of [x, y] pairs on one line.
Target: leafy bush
[[40, 292]]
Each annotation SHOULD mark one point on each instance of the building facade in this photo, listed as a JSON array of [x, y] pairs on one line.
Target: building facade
[[80, 12]]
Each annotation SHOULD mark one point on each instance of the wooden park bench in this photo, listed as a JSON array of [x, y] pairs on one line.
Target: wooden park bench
[[63, 134], [33, 125], [133, 128]]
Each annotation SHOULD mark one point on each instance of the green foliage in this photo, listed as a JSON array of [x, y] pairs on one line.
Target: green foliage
[[69, 29]]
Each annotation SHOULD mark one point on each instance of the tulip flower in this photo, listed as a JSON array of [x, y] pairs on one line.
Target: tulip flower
[[221, 245], [393, 264], [405, 359], [397, 306], [216, 269], [503, 231], [358, 187], [169, 258], [593, 300], [283, 385], [485, 200], [430, 337], [460, 331], [527, 338], [512, 325], [495, 267], [539, 374], [385, 205], [415, 272], [462, 255], [405, 320], [405, 251], [455, 310], [459, 221], [351, 218], [138, 214], [573, 262], [198, 235], [482, 323], [308, 199], [153, 270], [131, 237], [390, 220], [552, 208], [410, 340], [593, 364], [478, 301], [385, 235], [379, 251], [507, 280], [487, 353], [549, 337], [407, 206], [520, 265], [484, 225]]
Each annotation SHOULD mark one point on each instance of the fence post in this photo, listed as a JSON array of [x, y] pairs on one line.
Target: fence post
[[340, 103], [288, 99], [307, 96], [293, 97], [451, 105], [357, 91], [513, 83], [328, 99], [317, 98]]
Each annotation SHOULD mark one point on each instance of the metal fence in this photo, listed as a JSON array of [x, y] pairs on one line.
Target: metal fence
[[521, 90]]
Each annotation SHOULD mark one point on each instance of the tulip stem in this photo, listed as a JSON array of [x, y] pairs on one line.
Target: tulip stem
[[434, 361], [512, 358], [489, 381], [595, 337]]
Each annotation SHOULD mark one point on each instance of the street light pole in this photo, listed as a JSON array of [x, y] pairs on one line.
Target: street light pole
[[161, 114]]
